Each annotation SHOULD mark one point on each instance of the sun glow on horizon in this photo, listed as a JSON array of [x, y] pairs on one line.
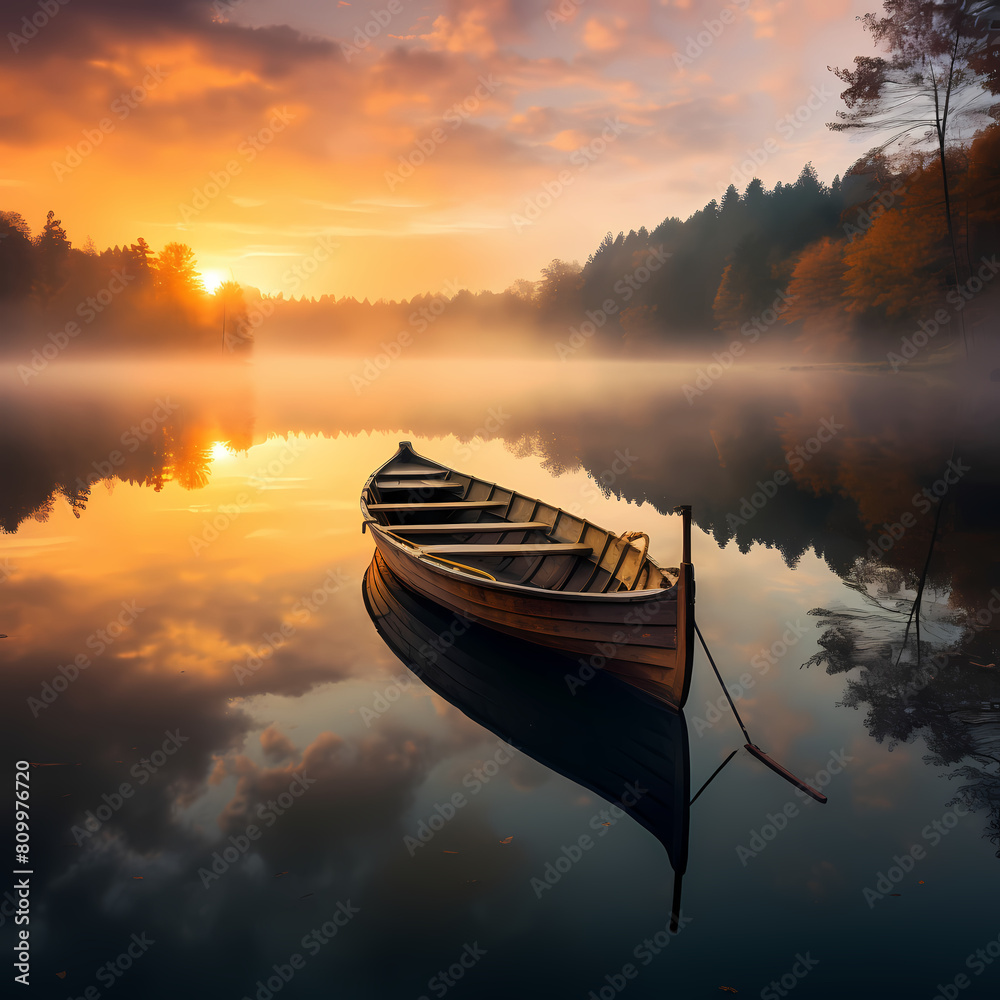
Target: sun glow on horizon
[[212, 280]]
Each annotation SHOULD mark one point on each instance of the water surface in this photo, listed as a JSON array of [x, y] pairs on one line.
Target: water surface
[[188, 654]]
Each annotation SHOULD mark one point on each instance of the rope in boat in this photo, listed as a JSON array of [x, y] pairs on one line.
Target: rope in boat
[[451, 562], [632, 536]]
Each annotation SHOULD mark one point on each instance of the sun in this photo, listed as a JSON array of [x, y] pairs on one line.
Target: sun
[[220, 450], [212, 279]]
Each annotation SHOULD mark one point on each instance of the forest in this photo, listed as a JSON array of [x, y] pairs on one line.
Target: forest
[[832, 271]]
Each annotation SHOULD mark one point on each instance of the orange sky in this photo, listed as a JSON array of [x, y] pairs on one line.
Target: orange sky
[[270, 140]]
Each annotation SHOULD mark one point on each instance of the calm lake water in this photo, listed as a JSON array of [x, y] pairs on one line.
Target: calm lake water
[[234, 776]]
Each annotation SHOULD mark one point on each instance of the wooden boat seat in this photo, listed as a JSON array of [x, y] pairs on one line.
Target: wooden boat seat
[[418, 484], [503, 551], [415, 470], [448, 505], [471, 527]]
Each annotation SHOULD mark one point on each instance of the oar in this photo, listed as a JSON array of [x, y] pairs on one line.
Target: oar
[[750, 745]]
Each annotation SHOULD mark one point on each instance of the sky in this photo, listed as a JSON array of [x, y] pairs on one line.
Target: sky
[[394, 147]]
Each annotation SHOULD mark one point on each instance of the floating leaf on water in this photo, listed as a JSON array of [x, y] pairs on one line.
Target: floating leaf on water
[[279, 874], [507, 840], [307, 895], [895, 894], [449, 852], [61, 975]]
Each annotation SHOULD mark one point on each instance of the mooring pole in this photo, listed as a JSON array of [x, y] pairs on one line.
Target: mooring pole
[[685, 511]]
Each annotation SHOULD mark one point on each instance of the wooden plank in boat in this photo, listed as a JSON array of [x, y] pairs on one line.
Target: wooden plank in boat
[[415, 470], [471, 527], [412, 484], [450, 505], [502, 550]]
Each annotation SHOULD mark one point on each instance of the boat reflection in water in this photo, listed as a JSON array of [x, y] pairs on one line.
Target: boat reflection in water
[[603, 734]]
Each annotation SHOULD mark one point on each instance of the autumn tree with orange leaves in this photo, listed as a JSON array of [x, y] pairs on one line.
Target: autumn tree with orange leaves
[[940, 65]]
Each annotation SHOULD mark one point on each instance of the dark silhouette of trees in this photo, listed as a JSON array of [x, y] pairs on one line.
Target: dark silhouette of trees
[[53, 250], [55, 298], [17, 262], [177, 273]]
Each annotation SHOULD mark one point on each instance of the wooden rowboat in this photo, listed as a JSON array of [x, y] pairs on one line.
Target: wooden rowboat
[[536, 572]]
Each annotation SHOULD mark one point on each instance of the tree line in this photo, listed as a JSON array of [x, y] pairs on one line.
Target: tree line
[[54, 296]]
